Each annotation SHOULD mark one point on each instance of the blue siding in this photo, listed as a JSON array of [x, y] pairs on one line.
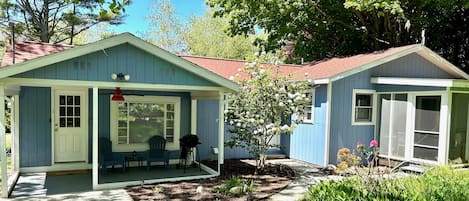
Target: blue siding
[[98, 66], [207, 127], [342, 133], [411, 65], [104, 112], [207, 130], [307, 142], [35, 126]]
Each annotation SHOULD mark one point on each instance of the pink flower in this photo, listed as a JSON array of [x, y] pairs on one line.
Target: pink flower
[[359, 144], [373, 143]]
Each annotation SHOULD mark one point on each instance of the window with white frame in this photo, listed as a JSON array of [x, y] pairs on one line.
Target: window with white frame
[[363, 107], [140, 117], [308, 116]]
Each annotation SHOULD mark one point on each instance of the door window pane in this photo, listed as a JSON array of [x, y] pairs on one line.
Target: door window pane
[[426, 153], [399, 121], [426, 139], [427, 113]]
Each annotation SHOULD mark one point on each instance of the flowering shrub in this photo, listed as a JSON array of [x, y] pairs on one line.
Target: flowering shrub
[[263, 107], [366, 156]]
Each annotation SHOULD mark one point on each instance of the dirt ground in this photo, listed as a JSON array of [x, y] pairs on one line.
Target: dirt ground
[[274, 179]]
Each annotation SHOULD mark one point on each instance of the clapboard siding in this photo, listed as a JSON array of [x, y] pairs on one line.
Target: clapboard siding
[[98, 66], [307, 143], [35, 126]]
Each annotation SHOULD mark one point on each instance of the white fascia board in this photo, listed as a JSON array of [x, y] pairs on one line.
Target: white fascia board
[[378, 62], [105, 85], [321, 81], [111, 42], [413, 81]]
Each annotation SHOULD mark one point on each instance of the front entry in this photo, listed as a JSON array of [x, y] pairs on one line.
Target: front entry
[[70, 126]]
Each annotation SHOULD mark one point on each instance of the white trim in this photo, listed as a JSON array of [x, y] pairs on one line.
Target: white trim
[[321, 81], [373, 106], [95, 134], [106, 85], [57, 167], [313, 106], [412, 81], [3, 156], [16, 138], [112, 42], [221, 130], [328, 123], [145, 99], [194, 116], [448, 125], [83, 92]]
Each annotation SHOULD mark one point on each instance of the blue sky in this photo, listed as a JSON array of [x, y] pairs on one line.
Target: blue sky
[[136, 23]]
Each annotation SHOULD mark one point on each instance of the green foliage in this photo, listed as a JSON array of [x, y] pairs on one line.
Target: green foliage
[[263, 106], [439, 183], [324, 29], [59, 20], [207, 36], [245, 186]]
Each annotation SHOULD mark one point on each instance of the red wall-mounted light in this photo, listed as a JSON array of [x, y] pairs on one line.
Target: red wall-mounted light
[[117, 96]]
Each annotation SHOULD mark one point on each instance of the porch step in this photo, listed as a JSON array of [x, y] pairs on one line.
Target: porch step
[[67, 172], [409, 167], [277, 156]]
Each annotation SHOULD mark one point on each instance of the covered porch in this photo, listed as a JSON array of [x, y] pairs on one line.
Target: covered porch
[[65, 108]]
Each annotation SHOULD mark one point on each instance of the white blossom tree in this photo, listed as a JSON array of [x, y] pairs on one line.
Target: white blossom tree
[[263, 108]]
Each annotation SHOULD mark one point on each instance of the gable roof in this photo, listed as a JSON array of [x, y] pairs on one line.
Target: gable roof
[[330, 69], [42, 59], [335, 68]]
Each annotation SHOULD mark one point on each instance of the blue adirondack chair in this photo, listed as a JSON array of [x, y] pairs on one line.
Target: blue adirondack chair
[[107, 157], [157, 152]]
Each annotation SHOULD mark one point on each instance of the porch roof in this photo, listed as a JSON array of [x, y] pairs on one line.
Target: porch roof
[[53, 54]]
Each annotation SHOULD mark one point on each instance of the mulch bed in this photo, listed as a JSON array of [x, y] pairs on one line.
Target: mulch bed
[[274, 179]]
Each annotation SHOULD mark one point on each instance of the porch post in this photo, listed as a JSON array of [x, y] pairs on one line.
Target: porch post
[[194, 116], [95, 138], [3, 156], [221, 129]]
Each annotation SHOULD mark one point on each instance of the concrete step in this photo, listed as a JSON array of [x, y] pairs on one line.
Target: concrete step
[[277, 156]]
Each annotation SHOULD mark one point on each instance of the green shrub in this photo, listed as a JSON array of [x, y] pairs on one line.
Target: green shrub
[[244, 186], [439, 183]]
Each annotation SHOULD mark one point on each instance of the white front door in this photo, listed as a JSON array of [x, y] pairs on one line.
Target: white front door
[[70, 126]]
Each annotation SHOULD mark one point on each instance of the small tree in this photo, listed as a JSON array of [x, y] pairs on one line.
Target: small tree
[[263, 108]]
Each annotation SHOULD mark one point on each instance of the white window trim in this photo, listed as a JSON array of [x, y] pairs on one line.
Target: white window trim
[[373, 109], [313, 99], [145, 99]]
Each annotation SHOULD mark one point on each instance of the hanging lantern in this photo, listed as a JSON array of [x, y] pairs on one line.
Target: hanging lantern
[[117, 96]]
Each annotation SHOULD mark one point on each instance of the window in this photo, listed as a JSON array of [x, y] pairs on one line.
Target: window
[[392, 125], [427, 127], [363, 107], [308, 117], [69, 111], [138, 118]]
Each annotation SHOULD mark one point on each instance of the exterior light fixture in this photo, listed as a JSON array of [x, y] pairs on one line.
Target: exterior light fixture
[[120, 76], [117, 96]]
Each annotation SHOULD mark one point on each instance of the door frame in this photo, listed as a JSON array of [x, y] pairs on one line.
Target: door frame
[[85, 104], [410, 125]]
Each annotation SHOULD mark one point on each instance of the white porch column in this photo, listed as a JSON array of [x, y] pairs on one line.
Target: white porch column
[[194, 116], [3, 155], [95, 138], [221, 129]]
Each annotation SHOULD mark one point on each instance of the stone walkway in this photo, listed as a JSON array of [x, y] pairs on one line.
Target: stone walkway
[[306, 174], [105, 195]]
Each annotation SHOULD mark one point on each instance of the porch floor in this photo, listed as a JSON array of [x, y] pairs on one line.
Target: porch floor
[[42, 184]]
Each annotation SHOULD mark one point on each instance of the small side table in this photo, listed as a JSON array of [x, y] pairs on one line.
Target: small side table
[[134, 157]]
